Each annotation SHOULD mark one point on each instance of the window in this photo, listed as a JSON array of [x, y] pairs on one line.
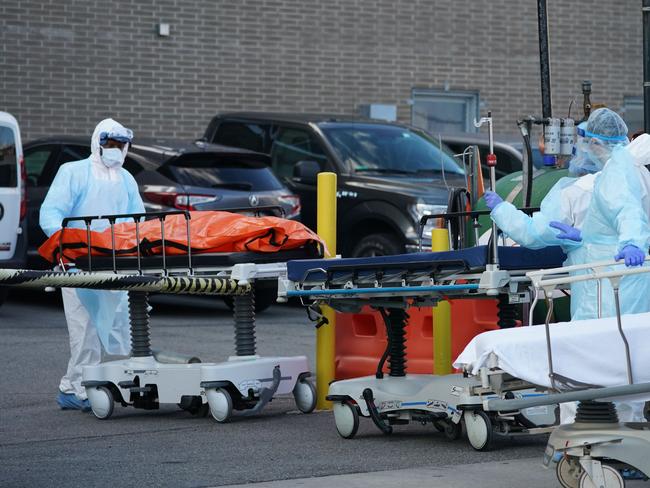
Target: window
[[633, 113], [213, 171], [35, 161], [439, 111], [387, 149], [291, 145], [8, 176], [73, 153], [243, 134]]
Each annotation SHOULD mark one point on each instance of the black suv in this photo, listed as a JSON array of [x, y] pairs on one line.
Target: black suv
[[389, 175]]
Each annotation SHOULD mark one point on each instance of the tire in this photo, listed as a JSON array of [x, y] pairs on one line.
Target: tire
[[304, 395], [568, 473], [101, 402], [220, 403], [346, 418], [264, 298], [479, 429], [452, 430], [4, 292], [378, 245], [613, 479]]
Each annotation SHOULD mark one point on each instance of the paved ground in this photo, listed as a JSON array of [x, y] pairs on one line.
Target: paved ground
[[43, 446]]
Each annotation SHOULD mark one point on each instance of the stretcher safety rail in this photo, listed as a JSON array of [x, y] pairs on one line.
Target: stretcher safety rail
[[546, 281], [268, 265]]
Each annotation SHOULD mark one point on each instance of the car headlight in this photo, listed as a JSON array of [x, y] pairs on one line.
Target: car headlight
[[419, 210]]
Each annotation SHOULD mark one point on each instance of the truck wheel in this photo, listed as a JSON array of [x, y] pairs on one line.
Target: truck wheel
[[378, 245]]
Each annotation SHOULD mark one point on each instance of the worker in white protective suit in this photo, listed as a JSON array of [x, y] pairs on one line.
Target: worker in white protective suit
[[565, 205], [98, 185], [616, 225]]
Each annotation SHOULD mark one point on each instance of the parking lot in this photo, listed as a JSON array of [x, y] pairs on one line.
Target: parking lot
[[41, 445]]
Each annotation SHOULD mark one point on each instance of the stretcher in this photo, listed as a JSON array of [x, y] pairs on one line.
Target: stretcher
[[394, 283], [501, 391], [240, 386], [594, 362]]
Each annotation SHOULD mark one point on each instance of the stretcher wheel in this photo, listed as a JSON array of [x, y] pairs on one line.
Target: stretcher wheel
[[452, 430], [479, 429], [101, 402], [613, 479], [568, 472], [304, 394], [346, 418], [220, 403]]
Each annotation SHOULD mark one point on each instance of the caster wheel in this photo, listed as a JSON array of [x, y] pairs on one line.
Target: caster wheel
[[304, 394], [613, 479], [568, 472], [479, 429], [347, 419], [101, 402], [220, 403], [452, 431]]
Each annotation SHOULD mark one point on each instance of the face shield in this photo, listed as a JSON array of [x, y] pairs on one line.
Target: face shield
[[581, 164]]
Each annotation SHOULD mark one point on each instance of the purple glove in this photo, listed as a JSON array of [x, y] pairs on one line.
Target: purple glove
[[492, 199], [566, 231], [633, 255]]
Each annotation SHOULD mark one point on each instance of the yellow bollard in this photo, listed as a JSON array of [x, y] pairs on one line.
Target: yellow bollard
[[325, 335], [441, 315]]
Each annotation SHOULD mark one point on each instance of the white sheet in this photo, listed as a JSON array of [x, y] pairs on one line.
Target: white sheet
[[589, 351]]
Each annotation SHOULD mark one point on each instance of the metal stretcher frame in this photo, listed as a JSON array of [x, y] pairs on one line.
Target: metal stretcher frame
[[547, 281], [464, 273]]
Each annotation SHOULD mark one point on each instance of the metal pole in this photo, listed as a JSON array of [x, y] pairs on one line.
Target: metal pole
[[549, 314], [544, 63], [441, 314], [628, 359], [326, 335], [646, 65]]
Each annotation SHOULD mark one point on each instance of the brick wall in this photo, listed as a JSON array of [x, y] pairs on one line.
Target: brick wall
[[66, 64]]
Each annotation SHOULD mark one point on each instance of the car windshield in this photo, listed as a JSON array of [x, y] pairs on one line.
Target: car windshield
[[388, 149], [220, 171]]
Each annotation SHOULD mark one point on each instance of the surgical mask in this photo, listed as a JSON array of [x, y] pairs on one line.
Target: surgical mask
[[112, 157]]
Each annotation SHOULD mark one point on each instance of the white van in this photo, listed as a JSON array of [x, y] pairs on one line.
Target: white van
[[13, 205]]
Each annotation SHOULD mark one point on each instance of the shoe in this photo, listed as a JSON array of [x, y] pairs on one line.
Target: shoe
[[69, 401]]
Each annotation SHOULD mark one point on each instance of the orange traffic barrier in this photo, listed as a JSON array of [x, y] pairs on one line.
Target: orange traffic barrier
[[361, 337]]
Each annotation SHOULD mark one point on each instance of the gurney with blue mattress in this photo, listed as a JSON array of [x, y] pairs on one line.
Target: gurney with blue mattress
[[392, 284]]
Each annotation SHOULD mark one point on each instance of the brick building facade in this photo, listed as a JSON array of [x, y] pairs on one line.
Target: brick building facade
[[66, 64]]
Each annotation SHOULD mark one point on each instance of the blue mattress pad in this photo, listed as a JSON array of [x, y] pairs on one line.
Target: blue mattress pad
[[472, 259]]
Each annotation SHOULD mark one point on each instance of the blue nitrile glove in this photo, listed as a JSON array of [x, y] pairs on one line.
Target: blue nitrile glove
[[566, 231], [492, 199], [633, 255]]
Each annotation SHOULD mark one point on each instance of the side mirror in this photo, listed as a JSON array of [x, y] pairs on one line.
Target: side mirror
[[306, 172]]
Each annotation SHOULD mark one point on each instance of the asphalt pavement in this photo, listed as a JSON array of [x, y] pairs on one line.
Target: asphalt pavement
[[41, 445]]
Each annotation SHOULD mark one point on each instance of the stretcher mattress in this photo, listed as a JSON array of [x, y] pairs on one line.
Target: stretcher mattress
[[586, 351], [471, 259]]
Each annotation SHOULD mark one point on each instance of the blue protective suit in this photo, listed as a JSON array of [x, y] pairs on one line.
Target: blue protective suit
[[617, 216], [80, 188], [566, 202]]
